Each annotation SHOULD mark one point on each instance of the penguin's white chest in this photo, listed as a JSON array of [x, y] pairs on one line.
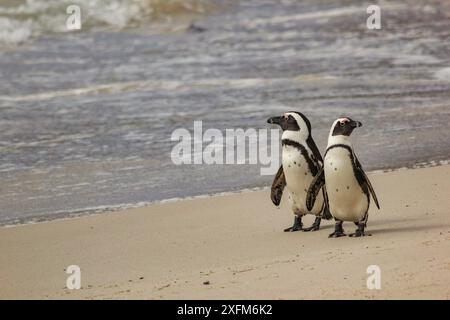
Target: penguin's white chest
[[346, 198], [298, 179]]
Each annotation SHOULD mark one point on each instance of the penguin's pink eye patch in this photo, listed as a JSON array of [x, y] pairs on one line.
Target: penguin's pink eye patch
[[343, 120]]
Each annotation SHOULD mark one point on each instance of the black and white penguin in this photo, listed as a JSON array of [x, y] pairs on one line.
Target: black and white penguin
[[301, 161], [347, 184]]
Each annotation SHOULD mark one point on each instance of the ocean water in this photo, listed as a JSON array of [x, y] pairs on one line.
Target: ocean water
[[86, 116]]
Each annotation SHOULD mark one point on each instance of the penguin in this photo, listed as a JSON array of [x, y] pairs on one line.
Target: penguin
[[301, 161], [346, 182]]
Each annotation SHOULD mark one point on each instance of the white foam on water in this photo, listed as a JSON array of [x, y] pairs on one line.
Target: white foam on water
[[443, 74], [329, 13], [169, 85], [415, 59], [15, 31], [33, 18]]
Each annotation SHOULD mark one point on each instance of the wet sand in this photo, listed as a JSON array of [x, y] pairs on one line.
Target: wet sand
[[236, 244]]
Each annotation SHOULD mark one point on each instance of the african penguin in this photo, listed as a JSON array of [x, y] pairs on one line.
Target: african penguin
[[347, 184], [301, 161]]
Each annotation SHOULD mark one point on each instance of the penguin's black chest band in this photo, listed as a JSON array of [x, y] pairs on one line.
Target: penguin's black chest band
[[311, 165]]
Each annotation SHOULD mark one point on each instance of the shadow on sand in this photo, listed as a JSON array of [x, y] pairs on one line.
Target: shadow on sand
[[409, 229]]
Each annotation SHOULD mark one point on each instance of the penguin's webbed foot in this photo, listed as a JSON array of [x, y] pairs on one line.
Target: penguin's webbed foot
[[312, 228], [315, 226], [337, 234], [338, 231], [357, 234], [360, 231], [297, 226], [293, 229]]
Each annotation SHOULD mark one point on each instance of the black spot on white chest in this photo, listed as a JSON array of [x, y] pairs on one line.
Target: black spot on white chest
[[293, 158], [340, 173]]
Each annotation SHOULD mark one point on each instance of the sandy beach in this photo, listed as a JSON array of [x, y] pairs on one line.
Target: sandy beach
[[233, 247], [97, 97]]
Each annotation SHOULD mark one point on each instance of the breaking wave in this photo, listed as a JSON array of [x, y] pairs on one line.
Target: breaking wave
[[21, 21]]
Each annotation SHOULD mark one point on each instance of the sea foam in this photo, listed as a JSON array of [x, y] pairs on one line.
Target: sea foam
[[33, 18]]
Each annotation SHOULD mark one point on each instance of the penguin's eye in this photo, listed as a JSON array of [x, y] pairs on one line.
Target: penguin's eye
[[341, 124]]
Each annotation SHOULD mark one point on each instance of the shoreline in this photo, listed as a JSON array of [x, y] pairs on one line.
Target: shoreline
[[124, 207], [236, 244]]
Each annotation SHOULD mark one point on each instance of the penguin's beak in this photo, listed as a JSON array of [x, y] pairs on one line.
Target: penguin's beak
[[275, 120], [356, 124]]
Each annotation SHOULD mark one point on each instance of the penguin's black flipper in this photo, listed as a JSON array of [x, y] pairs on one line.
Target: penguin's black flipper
[[317, 183], [326, 214], [278, 186], [315, 151], [367, 181]]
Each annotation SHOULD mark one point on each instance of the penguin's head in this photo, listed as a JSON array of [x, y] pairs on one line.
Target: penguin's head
[[344, 126], [293, 121]]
